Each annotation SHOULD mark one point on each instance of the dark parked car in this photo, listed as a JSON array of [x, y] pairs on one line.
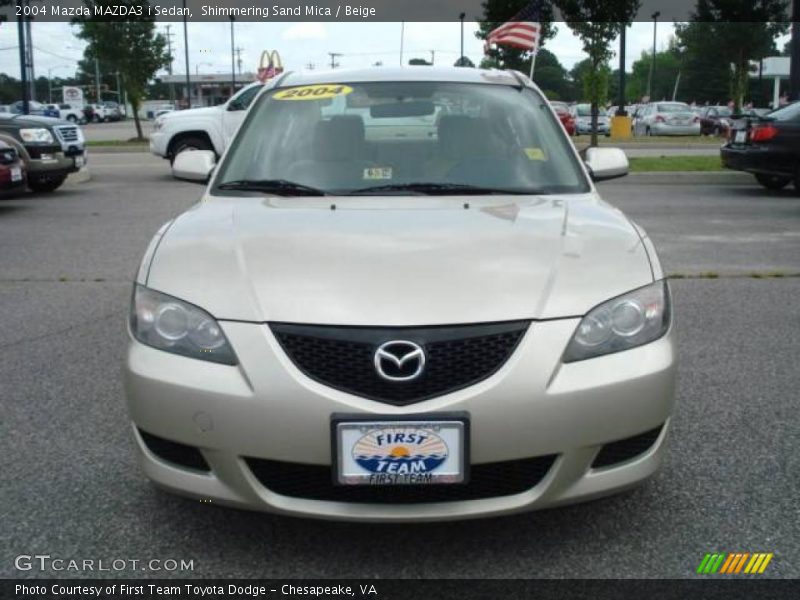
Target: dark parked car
[[88, 113], [50, 148], [715, 120], [768, 147], [12, 170]]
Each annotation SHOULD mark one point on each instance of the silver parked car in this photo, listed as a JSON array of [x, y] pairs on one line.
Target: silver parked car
[[583, 120], [364, 323], [666, 118]]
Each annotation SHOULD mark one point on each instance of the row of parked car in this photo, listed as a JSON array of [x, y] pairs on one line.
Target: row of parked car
[[38, 152], [654, 118], [100, 112]]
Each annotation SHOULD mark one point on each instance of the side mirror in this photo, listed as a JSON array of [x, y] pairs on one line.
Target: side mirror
[[194, 165], [606, 163]]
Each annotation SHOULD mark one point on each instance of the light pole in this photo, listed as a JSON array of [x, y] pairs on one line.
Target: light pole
[[794, 61], [186, 52], [654, 16], [23, 64], [621, 97], [402, 35], [233, 62], [461, 18]]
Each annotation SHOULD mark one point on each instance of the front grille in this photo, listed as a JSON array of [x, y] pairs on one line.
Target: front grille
[[68, 134], [315, 482], [622, 450], [174, 452], [343, 357], [36, 152]]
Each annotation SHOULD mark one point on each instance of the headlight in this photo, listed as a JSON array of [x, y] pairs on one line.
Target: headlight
[[176, 326], [41, 135], [158, 124], [630, 320]]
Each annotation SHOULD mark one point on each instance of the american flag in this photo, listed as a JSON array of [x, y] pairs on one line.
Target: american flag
[[522, 31]]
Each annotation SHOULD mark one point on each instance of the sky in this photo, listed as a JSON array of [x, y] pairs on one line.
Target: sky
[[304, 44]]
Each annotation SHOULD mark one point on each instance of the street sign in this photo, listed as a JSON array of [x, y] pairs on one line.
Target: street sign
[[72, 95]]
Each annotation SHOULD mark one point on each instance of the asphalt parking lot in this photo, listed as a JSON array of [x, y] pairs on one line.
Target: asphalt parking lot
[[70, 487]]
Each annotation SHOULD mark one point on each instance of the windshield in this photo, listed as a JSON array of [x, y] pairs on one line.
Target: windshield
[[673, 108], [401, 138]]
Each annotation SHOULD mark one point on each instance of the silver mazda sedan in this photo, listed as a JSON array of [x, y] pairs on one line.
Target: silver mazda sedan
[[400, 298]]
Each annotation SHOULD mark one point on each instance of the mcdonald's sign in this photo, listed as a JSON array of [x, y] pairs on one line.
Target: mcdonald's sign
[[269, 65]]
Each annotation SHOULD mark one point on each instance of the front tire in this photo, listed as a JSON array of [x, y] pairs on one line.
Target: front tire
[[72, 118], [45, 183], [189, 144]]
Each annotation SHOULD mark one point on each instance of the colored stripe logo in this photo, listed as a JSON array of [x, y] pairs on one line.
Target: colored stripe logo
[[734, 563]]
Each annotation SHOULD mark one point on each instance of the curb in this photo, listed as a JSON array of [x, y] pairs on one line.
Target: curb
[[691, 177], [117, 149]]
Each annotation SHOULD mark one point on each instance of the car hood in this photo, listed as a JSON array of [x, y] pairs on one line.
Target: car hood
[[399, 260], [20, 121], [191, 113]]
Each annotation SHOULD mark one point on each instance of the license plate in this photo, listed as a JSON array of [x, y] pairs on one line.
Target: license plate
[[16, 174], [389, 451], [79, 161], [740, 137]]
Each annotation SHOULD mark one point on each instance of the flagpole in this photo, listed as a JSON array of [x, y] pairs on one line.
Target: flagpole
[[533, 64]]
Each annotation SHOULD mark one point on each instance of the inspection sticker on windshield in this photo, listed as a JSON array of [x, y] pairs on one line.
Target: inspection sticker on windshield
[[535, 154], [374, 173], [313, 92], [397, 452]]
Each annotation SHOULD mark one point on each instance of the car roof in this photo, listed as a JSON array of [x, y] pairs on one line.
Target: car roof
[[411, 73]]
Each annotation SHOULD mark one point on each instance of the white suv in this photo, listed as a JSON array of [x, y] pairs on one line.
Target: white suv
[[209, 128]]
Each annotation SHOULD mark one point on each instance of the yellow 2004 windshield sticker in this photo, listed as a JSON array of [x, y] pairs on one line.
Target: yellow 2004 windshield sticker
[[313, 92]]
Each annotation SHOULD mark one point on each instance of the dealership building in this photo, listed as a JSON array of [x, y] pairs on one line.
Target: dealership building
[[208, 89]]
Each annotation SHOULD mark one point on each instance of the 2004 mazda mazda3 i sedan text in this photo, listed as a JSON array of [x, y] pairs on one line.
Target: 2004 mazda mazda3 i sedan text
[[400, 298]]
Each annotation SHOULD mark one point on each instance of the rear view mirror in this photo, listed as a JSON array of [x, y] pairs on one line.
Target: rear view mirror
[[194, 165], [415, 108], [606, 163]]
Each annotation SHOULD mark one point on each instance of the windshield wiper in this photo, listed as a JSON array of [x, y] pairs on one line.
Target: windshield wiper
[[279, 187], [437, 189]]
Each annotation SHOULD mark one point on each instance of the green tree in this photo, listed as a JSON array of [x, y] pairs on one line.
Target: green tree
[[668, 65], [551, 76], [131, 47], [729, 33], [597, 23], [584, 77], [497, 12]]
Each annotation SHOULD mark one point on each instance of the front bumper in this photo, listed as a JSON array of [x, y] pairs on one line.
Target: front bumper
[[55, 163], [159, 141], [759, 159], [534, 406]]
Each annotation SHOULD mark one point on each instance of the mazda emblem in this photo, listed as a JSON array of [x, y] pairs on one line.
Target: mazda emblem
[[399, 360]]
